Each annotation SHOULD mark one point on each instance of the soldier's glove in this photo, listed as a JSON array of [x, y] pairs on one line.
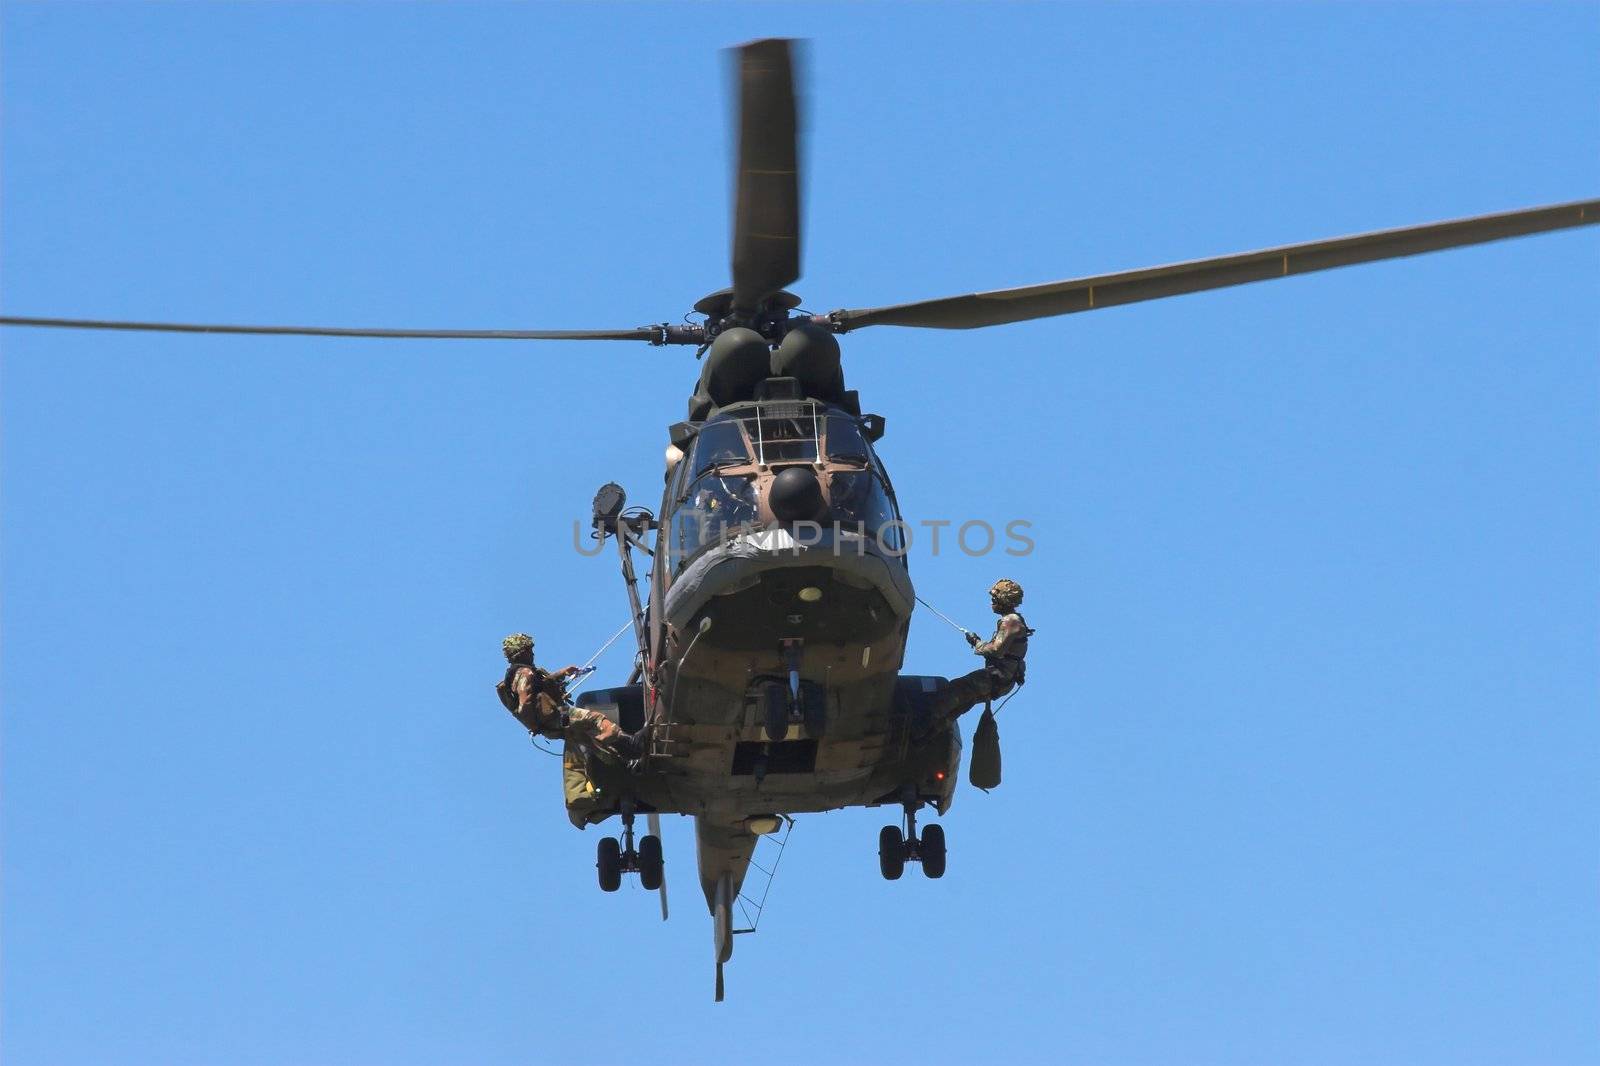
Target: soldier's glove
[[972, 638]]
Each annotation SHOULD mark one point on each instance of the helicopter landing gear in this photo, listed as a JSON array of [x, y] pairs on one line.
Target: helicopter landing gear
[[614, 857], [782, 707], [785, 704], [897, 847]]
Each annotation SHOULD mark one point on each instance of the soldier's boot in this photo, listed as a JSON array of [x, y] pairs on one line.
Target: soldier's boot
[[959, 697], [941, 709], [641, 739], [632, 746]]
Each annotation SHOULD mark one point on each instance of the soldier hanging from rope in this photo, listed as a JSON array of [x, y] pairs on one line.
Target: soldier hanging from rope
[[1004, 656], [538, 700]]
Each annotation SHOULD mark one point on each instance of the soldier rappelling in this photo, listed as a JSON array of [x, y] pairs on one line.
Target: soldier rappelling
[[1004, 657], [537, 699]]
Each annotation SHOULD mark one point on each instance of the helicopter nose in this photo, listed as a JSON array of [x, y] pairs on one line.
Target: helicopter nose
[[795, 495]]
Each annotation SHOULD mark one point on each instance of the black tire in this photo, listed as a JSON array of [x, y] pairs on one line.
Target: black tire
[[651, 862], [608, 861], [814, 710], [933, 850], [891, 852], [777, 712]]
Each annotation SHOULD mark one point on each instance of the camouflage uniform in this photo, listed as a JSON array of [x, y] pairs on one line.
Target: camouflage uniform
[[538, 700], [1003, 658]]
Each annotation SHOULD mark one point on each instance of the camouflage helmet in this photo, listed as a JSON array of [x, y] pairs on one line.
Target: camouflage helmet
[[516, 644], [1006, 593]]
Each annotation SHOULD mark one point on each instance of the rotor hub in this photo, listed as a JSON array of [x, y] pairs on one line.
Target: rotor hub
[[770, 320]]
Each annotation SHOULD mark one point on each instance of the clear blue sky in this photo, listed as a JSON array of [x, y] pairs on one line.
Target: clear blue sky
[[1306, 768]]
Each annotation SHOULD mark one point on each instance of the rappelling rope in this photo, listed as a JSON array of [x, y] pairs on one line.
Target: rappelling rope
[[588, 666], [959, 628]]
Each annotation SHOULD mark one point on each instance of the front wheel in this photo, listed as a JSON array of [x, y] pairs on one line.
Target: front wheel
[[891, 852], [814, 710], [776, 712], [608, 861]]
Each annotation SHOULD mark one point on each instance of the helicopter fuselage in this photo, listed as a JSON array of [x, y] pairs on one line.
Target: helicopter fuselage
[[780, 603]]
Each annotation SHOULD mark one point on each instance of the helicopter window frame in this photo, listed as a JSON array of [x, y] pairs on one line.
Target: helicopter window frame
[[677, 485], [878, 468], [876, 465]]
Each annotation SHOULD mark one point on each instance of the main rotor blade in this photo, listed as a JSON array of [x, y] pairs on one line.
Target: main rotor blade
[[653, 334], [766, 214], [1132, 286]]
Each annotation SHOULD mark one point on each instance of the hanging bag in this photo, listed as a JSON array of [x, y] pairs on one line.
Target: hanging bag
[[983, 770]]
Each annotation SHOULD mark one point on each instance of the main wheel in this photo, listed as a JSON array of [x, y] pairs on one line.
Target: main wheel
[[608, 860], [891, 852], [933, 850], [650, 862]]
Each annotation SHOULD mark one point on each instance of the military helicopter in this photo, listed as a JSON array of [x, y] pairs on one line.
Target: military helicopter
[[768, 647]]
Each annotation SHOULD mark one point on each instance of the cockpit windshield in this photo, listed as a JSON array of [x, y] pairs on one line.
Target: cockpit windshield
[[709, 503], [785, 431], [861, 500]]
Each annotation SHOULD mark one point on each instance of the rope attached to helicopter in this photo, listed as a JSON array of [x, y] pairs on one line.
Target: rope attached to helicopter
[[584, 671], [958, 627], [588, 666]]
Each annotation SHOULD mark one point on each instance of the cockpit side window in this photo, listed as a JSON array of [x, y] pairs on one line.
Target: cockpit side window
[[718, 444], [848, 443], [845, 441], [714, 509]]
